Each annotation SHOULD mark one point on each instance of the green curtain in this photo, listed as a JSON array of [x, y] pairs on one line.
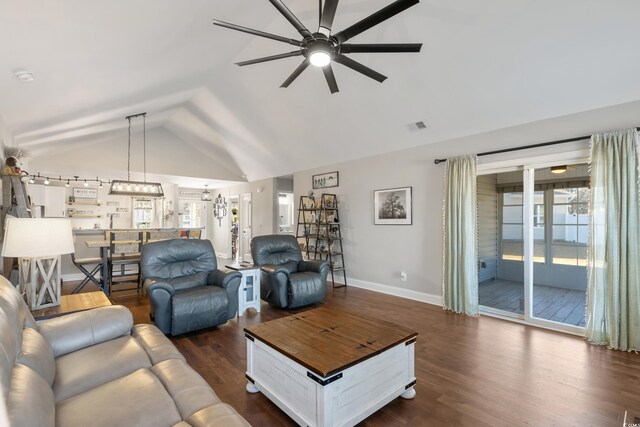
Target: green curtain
[[613, 298], [460, 282]]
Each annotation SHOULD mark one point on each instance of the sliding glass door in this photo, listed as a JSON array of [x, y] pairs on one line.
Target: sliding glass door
[[532, 240]]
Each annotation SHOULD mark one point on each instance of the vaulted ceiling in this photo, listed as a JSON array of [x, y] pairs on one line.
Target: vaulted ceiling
[[484, 65]]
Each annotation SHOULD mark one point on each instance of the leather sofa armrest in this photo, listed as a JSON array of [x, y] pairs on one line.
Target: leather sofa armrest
[[315, 266], [223, 278], [150, 284], [76, 331]]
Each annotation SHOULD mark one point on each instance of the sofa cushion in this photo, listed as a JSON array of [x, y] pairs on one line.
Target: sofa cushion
[[36, 353], [219, 415], [30, 401], [8, 350], [74, 331], [188, 389], [93, 366], [198, 308], [155, 343], [138, 399]]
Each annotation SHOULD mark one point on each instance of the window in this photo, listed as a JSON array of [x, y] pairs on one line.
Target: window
[[570, 226], [512, 239], [512, 226]]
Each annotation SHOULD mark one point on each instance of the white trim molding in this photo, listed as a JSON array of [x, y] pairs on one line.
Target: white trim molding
[[398, 292]]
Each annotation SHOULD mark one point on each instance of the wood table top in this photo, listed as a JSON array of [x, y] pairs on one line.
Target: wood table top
[[327, 341], [74, 303]]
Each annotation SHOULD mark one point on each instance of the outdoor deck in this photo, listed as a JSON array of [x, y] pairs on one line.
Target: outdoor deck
[[550, 303]]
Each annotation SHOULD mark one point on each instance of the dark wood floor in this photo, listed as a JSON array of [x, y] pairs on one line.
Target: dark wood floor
[[470, 371]]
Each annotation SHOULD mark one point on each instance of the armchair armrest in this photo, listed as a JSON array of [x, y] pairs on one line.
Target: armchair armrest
[[223, 278], [315, 266], [229, 280], [150, 284], [274, 270], [75, 331]]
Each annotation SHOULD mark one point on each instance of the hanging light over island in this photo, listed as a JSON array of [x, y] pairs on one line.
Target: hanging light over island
[[136, 188]]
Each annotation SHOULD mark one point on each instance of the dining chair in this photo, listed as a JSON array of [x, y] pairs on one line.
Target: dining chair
[[158, 235], [124, 259]]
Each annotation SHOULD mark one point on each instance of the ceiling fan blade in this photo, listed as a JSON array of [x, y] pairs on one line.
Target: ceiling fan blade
[[256, 32], [380, 48], [331, 78], [296, 73], [269, 58], [374, 19], [284, 10], [328, 14], [348, 62]]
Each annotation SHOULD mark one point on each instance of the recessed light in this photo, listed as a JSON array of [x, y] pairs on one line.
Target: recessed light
[[24, 76]]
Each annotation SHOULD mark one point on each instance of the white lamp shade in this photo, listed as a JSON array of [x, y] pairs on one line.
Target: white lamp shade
[[37, 237]]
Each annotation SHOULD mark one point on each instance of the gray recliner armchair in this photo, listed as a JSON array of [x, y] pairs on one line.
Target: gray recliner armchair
[[185, 287], [288, 281]]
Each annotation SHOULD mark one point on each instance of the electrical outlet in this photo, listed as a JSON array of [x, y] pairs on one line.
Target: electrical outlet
[[403, 276]]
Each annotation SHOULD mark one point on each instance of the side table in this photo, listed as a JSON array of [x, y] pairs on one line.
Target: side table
[[249, 290], [72, 304]]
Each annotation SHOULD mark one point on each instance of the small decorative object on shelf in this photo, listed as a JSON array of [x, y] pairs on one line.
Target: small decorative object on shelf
[[319, 226]]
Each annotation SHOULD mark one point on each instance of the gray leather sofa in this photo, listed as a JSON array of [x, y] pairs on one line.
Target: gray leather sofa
[[95, 368], [287, 280], [185, 287]]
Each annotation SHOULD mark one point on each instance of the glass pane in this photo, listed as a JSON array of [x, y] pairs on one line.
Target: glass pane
[[564, 245], [538, 197], [562, 214], [564, 195], [512, 244], [512, 215], [583, 214], [538, 216], [583, 242], [512, 199], [538, 246]]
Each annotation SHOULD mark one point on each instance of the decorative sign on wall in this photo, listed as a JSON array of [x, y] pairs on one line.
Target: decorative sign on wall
[[85, 193], [113, 203], [122, 209], [325, 180]]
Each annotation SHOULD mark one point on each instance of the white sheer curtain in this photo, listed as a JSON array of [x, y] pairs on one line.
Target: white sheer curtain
[[460, 281], [613, 298]]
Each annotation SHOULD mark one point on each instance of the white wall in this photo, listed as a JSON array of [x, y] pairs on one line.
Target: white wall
[[376, 254], [262, 201]]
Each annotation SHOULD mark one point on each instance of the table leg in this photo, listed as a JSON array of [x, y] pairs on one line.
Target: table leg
[[251, 388], [409, 394], [105, 271]]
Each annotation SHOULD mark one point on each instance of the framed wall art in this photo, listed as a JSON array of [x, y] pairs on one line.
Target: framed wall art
[[392, 206], [325, 180]]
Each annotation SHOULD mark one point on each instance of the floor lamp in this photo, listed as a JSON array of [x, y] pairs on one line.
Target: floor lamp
[[38, 244]]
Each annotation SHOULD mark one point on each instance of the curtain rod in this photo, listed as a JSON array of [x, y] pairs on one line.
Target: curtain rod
[[526, 147]]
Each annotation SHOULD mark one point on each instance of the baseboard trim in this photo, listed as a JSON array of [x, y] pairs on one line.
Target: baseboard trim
[[72, 277], [398, 292]]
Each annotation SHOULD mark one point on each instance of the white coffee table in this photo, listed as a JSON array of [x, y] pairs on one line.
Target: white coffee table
[[327, 367]]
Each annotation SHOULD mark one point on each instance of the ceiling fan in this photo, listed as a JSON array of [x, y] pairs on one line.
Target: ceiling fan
[[322, 47]]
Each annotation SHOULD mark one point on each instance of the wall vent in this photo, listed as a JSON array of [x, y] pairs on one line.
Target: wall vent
[[421, 125]]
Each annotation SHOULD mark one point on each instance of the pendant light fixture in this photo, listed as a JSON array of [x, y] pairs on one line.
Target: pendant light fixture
[[136, 188], [206, 195]]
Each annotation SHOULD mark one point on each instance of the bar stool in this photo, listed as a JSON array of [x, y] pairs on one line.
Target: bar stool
[[124, 259], [90, 276]]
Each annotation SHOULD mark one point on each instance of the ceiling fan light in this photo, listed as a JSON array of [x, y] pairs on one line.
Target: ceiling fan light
[[320, 59]]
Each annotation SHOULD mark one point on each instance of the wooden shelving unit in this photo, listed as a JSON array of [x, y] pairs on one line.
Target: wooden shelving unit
[[319, 226]]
